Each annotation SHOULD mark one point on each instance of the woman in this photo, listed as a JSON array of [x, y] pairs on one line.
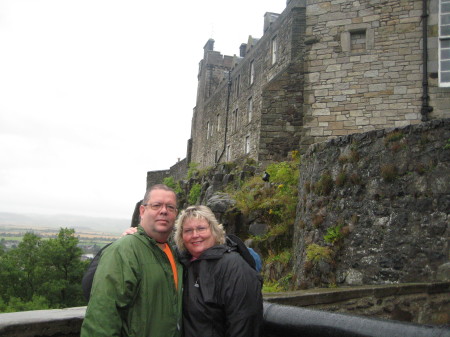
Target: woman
[[222, 293]]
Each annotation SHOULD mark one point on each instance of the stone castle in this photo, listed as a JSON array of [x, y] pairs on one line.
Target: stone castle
[[322, 69]]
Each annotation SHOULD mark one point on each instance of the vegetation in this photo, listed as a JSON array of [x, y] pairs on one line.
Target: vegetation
[[324, 185], [194, 193], [393, 137], [42, 274], [447, 146], [273, 203], [334, 234], [316, 253], [389, 172], [192, 170], [170, 182]]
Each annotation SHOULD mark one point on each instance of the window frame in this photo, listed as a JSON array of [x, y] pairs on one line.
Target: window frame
[[274, 49], [444, 43], [252, 72], [249, 109], [247, 144]]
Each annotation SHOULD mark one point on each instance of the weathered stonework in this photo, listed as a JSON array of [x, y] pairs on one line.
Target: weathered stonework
[[223, 129], [341, 68], [385, 195]]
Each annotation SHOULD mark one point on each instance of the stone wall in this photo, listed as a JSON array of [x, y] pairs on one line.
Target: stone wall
[[244, 116], [341, 68], [364, 67], [156, 177], [374, 208], [177, 172], [417, 303]]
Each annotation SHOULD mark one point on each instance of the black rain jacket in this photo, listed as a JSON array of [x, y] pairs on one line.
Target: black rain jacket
[[222, 295]]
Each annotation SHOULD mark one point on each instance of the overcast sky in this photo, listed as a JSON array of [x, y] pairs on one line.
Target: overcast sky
[[95, 93]]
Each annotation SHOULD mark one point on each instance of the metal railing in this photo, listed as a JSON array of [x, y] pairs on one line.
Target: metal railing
[[289, 321], [279, 320]]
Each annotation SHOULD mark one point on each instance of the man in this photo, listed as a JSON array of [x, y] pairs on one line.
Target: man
[[137, 288]]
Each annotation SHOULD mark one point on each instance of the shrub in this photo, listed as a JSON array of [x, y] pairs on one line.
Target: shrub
[[389, 172], [355, 179], [170, 182], [275, 202], [192, 170], [316, 253], [194, 193], [271, 287], [317, 220], [393, 137], [324, 185], [284, 257], [341, 179], [447, 146], [334, 234]]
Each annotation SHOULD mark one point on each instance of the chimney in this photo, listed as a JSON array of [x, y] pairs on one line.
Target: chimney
[[269, 18], [243, 50]]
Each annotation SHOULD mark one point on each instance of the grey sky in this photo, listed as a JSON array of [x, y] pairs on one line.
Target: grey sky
[[91, 89]]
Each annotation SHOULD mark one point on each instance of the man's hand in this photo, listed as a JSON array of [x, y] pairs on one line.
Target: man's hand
[[129, 231]]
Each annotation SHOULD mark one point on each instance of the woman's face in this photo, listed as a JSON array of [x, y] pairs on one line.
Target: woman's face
[[197, 236]]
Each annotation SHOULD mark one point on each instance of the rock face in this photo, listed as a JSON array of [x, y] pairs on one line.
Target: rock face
[[374, 208]]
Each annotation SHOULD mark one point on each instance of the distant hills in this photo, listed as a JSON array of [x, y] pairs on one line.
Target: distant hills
[[79, 223]]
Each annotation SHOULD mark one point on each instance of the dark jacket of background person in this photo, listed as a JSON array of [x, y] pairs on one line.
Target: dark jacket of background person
[[222, 295], [133, 292]]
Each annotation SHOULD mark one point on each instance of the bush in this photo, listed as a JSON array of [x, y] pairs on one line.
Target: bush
[[334, 234], [324, 185], [194, 193], [170, 182], [316, 253]]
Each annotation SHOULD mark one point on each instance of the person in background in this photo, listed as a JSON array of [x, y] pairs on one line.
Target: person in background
[[222, 292], [137, 287]]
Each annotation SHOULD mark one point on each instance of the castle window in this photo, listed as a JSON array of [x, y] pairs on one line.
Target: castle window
[[274, 48], [238, 83], [444, 43], [207, 130], [235, 120], [247, 145], [218, 122], [249, 109], [228, 153], [252, 72], [216, 156], [358, 41]]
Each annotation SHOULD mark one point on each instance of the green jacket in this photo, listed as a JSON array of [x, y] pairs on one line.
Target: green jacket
[[133, 292]]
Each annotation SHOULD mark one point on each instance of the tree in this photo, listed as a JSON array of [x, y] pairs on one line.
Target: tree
[[42, 274], [23, 271], [62, 259]]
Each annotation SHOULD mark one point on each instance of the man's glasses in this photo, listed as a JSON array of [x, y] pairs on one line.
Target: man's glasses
[[157, 206], [199, 230]]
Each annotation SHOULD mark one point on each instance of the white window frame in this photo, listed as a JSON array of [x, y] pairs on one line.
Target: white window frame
[[274, 49], [249, 109], [247, 144], [218, 122], [207, 130], [252, 72], [228, 153], [444, 43]]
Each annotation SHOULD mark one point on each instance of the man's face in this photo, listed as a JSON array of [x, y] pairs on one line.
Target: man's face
[[157, 222]]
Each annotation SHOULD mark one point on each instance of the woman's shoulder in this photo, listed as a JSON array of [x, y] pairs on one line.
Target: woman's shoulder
[[232, 259]]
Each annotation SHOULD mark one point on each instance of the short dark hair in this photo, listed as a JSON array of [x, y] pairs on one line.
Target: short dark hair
[[157, 187]]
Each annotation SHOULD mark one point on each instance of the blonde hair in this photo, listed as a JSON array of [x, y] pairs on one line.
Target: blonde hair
[[198, 212]]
